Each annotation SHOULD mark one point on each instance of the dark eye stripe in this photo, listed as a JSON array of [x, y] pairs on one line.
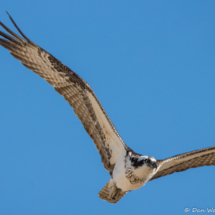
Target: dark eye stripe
[[141, 162]]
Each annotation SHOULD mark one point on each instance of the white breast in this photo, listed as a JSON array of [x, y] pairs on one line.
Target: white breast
[[125, 183]]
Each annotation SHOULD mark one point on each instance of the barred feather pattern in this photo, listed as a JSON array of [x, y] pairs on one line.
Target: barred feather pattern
[[178, 163], [105, 194], [73, 88]]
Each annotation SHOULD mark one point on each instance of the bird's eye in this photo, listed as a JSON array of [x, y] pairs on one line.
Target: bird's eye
[[147, 161]]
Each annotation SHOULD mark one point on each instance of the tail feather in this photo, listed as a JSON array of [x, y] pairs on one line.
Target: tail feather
[[105, 194]]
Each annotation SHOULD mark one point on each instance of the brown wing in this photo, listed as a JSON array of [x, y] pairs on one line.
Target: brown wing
[[178, 163], [73, 88]]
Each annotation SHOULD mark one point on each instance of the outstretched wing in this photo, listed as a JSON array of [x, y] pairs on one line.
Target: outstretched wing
[[178, 163], [73, 88]]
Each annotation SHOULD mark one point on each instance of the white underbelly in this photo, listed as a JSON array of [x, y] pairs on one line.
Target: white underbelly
[[124, 183], [120, 179]]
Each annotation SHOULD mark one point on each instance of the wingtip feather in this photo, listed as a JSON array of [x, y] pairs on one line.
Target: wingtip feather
[[19, 29]]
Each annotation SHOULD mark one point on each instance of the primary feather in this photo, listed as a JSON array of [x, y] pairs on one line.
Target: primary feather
[[73, 88], [128, 170]]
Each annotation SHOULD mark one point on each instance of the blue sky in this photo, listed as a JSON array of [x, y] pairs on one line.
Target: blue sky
[[150, 63]]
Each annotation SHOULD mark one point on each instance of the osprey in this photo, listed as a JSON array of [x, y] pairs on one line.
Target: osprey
[[128, 170]]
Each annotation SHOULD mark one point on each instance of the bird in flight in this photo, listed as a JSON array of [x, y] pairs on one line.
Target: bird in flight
[[128, 170]]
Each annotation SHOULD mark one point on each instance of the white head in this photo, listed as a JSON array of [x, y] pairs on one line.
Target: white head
[[143, 167], [143, 161]]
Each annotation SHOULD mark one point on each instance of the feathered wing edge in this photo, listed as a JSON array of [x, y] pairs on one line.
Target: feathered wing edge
[[73, 88], [105, 194], [182, 162]]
